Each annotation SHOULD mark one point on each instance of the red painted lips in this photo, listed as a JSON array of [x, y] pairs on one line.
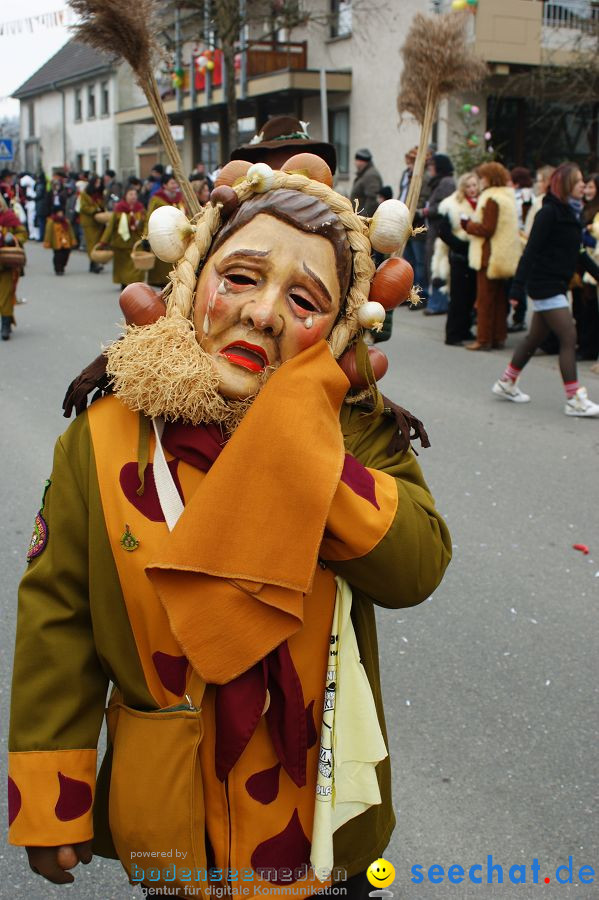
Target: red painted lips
[[249, 356]]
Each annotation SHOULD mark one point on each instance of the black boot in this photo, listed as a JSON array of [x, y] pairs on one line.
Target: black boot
[[6, 323]]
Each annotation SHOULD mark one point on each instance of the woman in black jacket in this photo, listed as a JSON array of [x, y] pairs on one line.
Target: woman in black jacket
[[552, 255]]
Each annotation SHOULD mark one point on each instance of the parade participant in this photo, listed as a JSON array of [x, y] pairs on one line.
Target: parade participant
[[167, 195], [11, 233], [494, 252], [122, 232], [90, 204], [552, 255], [196, 546], [60, 238]]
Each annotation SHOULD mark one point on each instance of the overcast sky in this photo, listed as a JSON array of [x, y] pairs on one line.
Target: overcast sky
[[22, 54]]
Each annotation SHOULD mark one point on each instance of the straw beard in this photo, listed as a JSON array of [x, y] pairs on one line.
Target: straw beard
[[161, 370]]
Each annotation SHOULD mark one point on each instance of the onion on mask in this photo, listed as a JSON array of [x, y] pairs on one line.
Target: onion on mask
[[371, 315], [233, 173], [169, 231], [390, 227], [141, 305], [311, 166], [261, 177], [348, 364], [392, 282]]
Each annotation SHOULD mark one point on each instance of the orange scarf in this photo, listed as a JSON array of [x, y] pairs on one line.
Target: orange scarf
[[244, 551]]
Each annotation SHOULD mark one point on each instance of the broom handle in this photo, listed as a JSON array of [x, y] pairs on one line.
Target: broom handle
[[425, 134], [150, 89]]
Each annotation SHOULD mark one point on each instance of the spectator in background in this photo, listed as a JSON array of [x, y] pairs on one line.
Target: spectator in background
[[152, 184], [494, 252], [41, 204], [523, 187], [113, 189], [585, 307], [27, 183], [200, 172], [462, 278], [367, 183], [548, 263], [542, 181], [201, 189], [415, 249], [441, 184]]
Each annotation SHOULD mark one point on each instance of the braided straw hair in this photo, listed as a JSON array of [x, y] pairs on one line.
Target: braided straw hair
[[184, 276]]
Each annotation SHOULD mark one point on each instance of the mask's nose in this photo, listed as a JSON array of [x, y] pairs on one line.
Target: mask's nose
[[263, 314]]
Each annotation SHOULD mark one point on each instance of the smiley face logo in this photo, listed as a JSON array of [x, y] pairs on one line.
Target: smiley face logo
[[380, 873]]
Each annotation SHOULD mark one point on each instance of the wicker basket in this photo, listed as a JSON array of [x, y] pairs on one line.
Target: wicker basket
[[12, 257], [101, 256], [142, 259], [102, 217]]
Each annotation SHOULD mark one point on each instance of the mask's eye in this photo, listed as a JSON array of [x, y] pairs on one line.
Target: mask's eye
[[303, 302], [240, 280]]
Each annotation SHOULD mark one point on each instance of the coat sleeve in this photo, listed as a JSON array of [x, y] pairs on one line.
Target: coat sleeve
[[486, 228], [384, 535], [539, 234], [59, 687]]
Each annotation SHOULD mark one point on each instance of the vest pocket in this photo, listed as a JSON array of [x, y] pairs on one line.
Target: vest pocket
[[156, 801]]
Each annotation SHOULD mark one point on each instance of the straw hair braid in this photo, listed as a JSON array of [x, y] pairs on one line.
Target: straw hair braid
[[184, 276]]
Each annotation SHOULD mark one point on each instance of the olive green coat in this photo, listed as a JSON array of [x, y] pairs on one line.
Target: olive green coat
[[8, 282], [74, 636], [92, 230], [123, 270]]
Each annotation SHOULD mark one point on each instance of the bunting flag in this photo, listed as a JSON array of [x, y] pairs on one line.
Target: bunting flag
[[56, 18]]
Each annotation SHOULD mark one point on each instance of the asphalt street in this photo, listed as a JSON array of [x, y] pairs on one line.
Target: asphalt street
[[490, 686]]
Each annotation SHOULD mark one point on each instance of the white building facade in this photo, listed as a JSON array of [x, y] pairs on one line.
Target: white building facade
[[68, 114]]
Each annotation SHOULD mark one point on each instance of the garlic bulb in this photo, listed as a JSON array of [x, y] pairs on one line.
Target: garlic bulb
[[390, 226], [371, 315], [168, 233], [261, 177]]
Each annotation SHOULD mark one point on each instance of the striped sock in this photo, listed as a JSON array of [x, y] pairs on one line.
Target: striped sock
[[570, 388], [511, 373]]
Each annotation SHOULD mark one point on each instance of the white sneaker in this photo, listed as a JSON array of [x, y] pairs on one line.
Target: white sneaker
[[580, 405], [509, 390]]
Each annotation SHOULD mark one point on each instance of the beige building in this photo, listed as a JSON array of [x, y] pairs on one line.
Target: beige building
[[339, 70]]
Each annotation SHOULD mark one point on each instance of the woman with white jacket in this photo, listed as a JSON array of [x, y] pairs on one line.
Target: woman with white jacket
[[462, 278]]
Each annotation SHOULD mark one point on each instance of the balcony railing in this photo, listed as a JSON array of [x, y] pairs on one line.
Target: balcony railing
[[265, 57], [575, 15]]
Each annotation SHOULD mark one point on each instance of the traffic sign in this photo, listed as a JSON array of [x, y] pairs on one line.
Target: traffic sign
[[6, 151]]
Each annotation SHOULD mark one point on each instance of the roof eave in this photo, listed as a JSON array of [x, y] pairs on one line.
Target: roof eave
[[24, 94]]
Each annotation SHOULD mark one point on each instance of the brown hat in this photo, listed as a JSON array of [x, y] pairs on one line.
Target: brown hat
[[281, 137]]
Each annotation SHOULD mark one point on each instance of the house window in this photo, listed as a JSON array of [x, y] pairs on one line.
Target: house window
[[339, 132], [210, 145], [31, 119], [91, 101], [78, 105], [340, 18], [104, 99], [79, 163], [93, 162], [105, 160]]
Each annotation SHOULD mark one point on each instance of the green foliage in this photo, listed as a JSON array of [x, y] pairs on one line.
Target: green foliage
[[470, 148]]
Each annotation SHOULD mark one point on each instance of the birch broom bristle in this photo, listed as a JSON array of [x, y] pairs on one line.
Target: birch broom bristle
[[436, 58], [124, 29], [436, 62]]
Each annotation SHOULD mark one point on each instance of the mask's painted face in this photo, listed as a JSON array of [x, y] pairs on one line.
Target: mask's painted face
[[268, 292]]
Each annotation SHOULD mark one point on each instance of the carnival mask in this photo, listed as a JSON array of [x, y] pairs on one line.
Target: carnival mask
[[267, 293]]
